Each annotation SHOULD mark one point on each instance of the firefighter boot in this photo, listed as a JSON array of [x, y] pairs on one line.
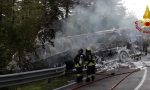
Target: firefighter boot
[[93, 78], [81, 78], [77, 79], [87, 79]]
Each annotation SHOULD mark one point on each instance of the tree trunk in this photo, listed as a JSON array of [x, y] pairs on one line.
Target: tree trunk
[[13, 12], [44, 13], [0, 16], [1, 12], [67, 8], [21, 61]]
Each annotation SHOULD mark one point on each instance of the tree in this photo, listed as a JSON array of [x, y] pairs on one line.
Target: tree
[[19, 28], [21, 21], [5, 26]]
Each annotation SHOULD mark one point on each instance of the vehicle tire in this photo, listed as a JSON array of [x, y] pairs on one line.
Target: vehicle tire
[[123, 56]]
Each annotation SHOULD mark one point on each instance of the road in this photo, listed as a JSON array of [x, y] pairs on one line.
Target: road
[[139, 80]]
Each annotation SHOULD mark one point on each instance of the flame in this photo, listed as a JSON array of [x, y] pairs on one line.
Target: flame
[[147, 13]]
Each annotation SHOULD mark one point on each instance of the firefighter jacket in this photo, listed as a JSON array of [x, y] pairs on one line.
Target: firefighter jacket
[[79, 60]]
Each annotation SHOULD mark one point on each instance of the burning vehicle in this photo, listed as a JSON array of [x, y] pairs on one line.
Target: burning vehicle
[[116, 49], [106, 46]]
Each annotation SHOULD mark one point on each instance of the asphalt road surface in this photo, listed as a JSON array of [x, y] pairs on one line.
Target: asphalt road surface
[[120, 82], [139, 80]]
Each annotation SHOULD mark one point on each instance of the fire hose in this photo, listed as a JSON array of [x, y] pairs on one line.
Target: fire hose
[[108, 76]]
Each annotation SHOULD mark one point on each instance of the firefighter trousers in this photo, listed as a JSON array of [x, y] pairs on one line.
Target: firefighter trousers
[[90, 73], [79, 74]]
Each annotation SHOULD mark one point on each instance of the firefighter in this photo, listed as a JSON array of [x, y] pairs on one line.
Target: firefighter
[[90, 66], [78, 60]]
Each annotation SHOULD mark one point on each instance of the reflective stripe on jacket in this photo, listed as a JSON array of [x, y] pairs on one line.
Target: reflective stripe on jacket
[[91, 63], [77, 65]]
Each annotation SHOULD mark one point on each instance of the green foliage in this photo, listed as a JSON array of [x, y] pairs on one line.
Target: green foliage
[[22, 20], [5, 27], [44, 85]]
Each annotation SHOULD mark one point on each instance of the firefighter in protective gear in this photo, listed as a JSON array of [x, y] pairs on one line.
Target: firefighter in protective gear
[[78, 60], [90, 66]]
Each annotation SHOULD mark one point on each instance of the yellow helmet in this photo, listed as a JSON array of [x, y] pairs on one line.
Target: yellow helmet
[[89, 49]]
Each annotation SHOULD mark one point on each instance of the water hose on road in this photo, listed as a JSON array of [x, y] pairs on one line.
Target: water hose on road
[[121, 81], [108, 76]]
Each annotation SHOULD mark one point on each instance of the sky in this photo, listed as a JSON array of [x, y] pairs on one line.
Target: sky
[[136, 7]]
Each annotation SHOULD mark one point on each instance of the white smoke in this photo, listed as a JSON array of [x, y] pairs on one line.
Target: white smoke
[[99, 15]]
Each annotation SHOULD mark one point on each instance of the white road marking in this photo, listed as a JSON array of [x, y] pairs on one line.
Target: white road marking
[[65, 86], [59, 88], [142, 81]]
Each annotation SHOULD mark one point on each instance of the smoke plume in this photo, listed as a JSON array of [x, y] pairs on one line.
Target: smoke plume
[[98, 15], [87, 20]]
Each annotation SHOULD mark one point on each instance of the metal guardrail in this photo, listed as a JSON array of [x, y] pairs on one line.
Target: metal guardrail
[[26, 77]]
